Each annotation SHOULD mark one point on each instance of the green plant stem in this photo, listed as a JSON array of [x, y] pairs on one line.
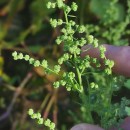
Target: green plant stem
[[66, 18], [82, 94], [88, 117]]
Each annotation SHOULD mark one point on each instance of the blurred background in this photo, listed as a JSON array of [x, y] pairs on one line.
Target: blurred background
[[24, 27]]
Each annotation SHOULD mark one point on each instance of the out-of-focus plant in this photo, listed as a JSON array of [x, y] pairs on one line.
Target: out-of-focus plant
[[113, 21]]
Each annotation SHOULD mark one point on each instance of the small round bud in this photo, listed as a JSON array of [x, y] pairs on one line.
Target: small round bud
[[53, 22], [56, 84], [31, 60], [60, 21], [40, 121], [47, 122], [30, 112], [61, 60], [60, 3], [14, 54], [67, 9], [74, 6], [90, 39], [57, 68], [58, 40], [62, 82], [52, 126], [44, 63], [36, 63], [95, 43], [48, 5], [92, 85], [27, 57], [81, 29], [72, 23], [20, 56], [53, 5], [108, 71]]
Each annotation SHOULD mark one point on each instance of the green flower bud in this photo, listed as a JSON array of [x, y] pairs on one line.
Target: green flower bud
[[72, 23], [87, 57], [81, 29], [74, 6], [68, 88], [38, 115], [64, 37], [34, 116], [95, 43], [108, 71], [102, 55], [90, 39], [87, 64], [60, 3], [53, 5], [57, 68], [92, 85], [71, 75], [58, 40], [60, 21], [36, 63], [61, 60], [56, 84], [82, 42], [14, 54], [52, 126], [78, 51], [63, 31], [66, 56], [48, 5], [47, 122], [27, 57], [62, 82], [40, 121], [96, 86], [53, 22], [67, 9], [31, 60], [20, 56], [107, 62], [102, 49], [111, 64], [44, 64], [30, 112]]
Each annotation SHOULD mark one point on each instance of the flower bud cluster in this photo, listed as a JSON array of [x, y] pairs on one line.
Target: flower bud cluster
[[64, 58], [102, 51], [93, 85], [60, 4], [68, 81], [92, 40], [54, 23], [36, 63], [40, 120]]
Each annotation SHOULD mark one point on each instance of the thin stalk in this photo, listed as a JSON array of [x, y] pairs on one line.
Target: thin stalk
[[66, 18]]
